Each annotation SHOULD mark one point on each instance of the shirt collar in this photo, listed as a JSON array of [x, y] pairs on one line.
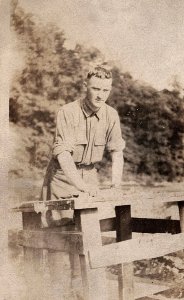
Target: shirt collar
[[87, 112]]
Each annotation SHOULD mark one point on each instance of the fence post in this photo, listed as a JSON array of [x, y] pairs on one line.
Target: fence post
[[181, 213], [94, 280], [124, 232]]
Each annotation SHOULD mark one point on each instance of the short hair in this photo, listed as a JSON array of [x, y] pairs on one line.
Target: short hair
[[99, 72]]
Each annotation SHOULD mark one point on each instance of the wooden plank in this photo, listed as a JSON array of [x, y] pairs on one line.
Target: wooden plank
[[94, 281], [107, 197], [136, 249], [181, 213], [131, 197], [123, 223], [145, 225], [128, 199], [32, 206], [59, 241], [124, 232]]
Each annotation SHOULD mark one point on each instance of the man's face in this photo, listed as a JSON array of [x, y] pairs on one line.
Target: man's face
[[98, 91]]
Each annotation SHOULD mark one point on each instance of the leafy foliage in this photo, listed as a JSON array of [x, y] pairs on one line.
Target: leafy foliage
[[152, 122]]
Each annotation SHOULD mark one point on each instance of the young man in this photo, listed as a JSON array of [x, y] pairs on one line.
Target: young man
[[83, 129]]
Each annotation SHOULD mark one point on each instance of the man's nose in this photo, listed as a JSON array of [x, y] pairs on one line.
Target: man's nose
[[99, 95]]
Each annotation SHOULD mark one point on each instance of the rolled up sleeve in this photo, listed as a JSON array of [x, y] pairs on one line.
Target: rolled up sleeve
[[115, 142], [64, 136]]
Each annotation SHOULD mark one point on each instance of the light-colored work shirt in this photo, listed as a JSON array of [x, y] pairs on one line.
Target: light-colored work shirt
[[85, 135]]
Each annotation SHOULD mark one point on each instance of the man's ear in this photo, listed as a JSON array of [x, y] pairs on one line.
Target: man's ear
[[85, 83]]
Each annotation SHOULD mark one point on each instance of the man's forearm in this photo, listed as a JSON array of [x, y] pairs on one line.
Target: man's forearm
[[117, 167], [68, 166]]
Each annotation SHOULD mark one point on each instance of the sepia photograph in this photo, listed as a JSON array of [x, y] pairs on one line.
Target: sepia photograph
[[92, 150]]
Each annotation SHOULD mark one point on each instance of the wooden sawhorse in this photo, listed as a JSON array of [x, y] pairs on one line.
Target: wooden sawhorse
[[85, 239]]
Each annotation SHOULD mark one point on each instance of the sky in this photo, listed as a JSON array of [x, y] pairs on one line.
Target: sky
[[144, 37]]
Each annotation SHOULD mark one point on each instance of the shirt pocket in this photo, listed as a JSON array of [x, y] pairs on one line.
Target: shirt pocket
[[80, 145], [99, 146]]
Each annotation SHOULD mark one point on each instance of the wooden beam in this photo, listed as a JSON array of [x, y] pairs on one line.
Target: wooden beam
[[94, 281], [123, 223], [145, 225], [33, 206], [140, 225], [136, 249], [124, 232], [84, 201], [59, 241], [181, 213]]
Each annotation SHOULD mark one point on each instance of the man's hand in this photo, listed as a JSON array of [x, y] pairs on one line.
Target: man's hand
[[92, 190], [69, 168]]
